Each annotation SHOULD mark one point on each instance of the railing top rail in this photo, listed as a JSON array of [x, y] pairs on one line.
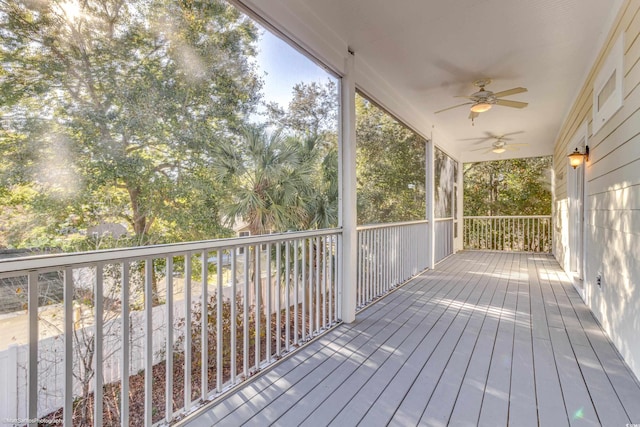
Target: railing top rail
[[115, 255], [390, 224], [507, 217], [448, 218]]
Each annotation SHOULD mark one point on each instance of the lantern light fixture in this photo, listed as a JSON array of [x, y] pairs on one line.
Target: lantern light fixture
[[576, 158]]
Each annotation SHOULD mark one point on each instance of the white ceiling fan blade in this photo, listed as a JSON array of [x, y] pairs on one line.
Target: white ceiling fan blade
[[510, 92], [473, 115], [481, 141], [521, 144], [513, 104], [489, 137], [483, 148], [511, 148], [451, 108], [509, 134]]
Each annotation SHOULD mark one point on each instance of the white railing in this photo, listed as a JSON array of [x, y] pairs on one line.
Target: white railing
[[509, 233], [172, 326], [443, 230], [388, 255]]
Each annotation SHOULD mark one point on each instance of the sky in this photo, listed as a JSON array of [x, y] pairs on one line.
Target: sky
[[282, 67]]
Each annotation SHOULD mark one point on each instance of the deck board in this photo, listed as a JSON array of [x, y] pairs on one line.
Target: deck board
[[486, 338]]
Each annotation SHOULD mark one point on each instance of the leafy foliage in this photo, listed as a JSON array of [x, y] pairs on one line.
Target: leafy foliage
[[113, 111], [508, 187], [312, 119], [390, 167], [270, 178]]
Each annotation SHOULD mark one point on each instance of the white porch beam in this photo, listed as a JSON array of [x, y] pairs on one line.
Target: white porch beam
[[348, 213]]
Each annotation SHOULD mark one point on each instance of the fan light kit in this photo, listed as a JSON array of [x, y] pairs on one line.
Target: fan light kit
[[481, 107], [484, 99], [499, 144]]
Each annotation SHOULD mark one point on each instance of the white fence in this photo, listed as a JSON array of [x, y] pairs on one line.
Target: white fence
[[277, 292], [388, 255], [15, 359], [509, 233]]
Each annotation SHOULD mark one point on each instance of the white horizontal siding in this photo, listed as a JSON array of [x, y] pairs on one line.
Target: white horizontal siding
[[613, 195]]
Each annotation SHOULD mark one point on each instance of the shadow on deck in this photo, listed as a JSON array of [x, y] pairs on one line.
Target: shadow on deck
[[487, 338]]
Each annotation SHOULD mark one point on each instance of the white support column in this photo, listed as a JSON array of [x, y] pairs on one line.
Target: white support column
[[429, 191], [348, 214]]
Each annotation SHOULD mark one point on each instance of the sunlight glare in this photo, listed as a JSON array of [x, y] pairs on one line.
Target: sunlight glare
[[579, 414], [55, 169], [71, 9]]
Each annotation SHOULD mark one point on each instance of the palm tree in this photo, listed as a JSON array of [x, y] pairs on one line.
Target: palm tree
[[271, 180]]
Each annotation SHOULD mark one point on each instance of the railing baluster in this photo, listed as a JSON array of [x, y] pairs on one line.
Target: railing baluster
[[32, 371], [287, 295], [296, 283], [219, 311], [234, 316], [148, 342], [369, 265], [269, 282], [169, 344], [308, 288], [257, 303], [359, 281], [245, 315], [98, 391], [278, 298], [395, 242], [331, 281], [382, 286], [317, 270], [187, 331], [126, 336], [388, 260], [378, 263], [324, 283], [204, 333], [303, 283], [68, 351]]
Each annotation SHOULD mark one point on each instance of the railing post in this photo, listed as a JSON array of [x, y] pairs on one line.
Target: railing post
[[348, 218]]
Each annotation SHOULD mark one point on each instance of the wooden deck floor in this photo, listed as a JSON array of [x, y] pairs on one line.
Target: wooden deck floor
[[487, 338]]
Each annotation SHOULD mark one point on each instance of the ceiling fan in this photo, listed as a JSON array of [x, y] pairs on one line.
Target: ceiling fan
[[491, 136], [484, 99], [500, 145]]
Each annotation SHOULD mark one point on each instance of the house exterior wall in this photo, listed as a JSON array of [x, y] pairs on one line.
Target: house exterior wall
[[612, 194]]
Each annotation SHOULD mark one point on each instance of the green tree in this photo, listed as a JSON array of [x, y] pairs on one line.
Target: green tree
[[112, 110], [270, 178], [508, 187], [313, 110], [390, 167], [312, 117]]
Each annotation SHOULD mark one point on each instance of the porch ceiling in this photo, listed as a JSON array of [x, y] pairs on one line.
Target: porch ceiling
[[415, 56]]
